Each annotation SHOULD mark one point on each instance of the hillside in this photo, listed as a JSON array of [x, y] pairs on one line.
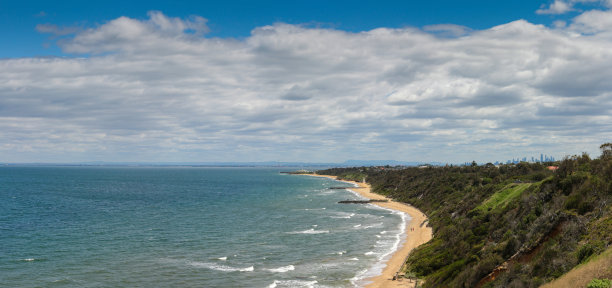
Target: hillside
[[517, 225], [598, 267]]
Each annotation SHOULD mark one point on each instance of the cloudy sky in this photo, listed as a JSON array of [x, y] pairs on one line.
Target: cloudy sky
[[310, 82]]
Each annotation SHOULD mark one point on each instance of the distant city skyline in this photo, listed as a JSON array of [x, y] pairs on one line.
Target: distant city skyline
[[543, 158], [303, 81]]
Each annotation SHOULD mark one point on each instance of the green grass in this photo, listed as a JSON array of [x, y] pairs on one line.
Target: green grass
[[503, 197]]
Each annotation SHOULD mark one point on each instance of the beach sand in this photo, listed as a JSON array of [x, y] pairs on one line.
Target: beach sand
[[417, 233]]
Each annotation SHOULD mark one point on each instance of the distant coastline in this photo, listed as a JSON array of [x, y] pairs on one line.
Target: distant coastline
[[317, 165]]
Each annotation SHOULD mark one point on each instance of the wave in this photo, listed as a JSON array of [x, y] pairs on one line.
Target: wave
[[354, 259], [396, 238], [222, 258], [222, 268], [282, 269], [292, 283], [369, 253], [377, 225], [309, 231], [360, 276], [343, 215]]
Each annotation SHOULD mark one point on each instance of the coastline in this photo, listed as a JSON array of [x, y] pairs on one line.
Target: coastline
[[417, 233]]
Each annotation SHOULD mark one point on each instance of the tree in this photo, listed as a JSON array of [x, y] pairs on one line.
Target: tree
[[606, 150]]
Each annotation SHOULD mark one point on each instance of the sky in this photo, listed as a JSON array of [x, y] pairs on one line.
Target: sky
[[303, 81]]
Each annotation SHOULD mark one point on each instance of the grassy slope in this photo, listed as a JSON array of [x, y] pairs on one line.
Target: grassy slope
[[598, 267], [503, 197]]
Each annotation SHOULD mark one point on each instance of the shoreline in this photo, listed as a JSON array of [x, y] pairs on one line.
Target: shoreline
[[417, 233]]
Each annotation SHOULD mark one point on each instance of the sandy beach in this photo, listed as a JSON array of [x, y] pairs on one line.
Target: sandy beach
[[417, 234]]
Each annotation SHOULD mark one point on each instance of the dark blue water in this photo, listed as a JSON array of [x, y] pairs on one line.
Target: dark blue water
[[185, 227]]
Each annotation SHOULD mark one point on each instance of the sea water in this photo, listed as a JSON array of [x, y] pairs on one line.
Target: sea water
[[186, 227]]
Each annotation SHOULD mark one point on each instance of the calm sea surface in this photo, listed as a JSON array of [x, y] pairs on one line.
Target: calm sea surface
[[186, 227]]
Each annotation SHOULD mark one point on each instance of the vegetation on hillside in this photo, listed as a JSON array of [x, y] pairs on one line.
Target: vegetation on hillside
[[516, 225]]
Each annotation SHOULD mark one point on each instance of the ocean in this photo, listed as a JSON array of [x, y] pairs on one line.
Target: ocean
[[187, 227]]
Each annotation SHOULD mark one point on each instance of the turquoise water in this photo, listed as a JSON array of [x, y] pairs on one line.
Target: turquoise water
[[186, 227]]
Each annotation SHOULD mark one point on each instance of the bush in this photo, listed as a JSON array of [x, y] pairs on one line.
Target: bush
[[600, 283], [573, 202], [584, 252]]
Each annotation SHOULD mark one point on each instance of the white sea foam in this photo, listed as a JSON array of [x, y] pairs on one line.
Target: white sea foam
[[282, 269], [222, 258], [309, 231], [341, 252], [326, 192], [355, 193], [292, 283], [369, 253], [222, 268], [385, 243], [360, 276], [373, 225], [343, 215], [397, 238], [357, 226], [28, 259], [354, 259]]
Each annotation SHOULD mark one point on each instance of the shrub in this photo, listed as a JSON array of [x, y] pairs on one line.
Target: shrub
[[600, 283], [573, 202], [584, 252]]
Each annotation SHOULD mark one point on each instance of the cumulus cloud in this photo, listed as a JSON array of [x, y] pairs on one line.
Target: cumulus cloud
[[593, 22], [564, 6], [157, 90], [557, 7], [131, 35]]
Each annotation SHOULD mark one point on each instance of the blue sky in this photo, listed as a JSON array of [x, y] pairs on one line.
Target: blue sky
[[237, 18], [311, 81]]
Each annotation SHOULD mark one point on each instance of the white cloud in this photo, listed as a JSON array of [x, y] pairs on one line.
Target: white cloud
[[557, 7], [159, 92], [593, 22], [564, 6], [450, 30], [56, 30], [130, 35]]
